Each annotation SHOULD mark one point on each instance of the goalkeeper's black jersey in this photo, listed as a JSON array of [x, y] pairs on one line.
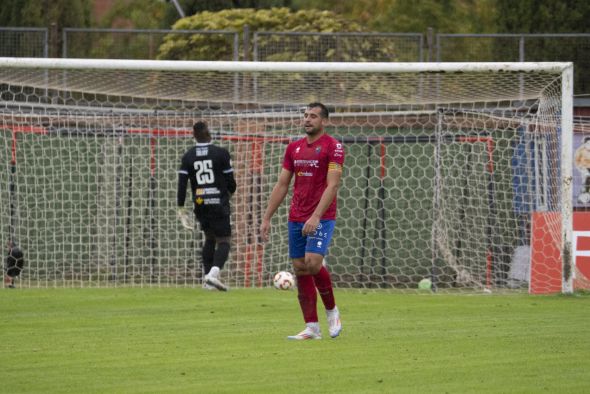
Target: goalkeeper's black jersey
[[209, 169]]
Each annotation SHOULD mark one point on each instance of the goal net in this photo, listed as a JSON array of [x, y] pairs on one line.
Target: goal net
[[447, 166]]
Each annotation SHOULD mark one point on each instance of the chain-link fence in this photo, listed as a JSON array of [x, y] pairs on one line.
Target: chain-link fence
[[142, 44], [338, 47], [519, 48], [300, 46], [23, 42]]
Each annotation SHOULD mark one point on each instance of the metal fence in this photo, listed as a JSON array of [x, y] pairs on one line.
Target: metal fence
[[142, 44], [338, 47], [23, 42], [300, 46], [519, 48]]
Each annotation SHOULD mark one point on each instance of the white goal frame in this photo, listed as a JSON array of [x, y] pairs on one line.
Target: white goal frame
[[565, 70]]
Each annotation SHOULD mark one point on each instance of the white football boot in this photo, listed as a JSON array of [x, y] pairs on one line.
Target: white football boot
[[212, 279], [311, 332], [334, 324]]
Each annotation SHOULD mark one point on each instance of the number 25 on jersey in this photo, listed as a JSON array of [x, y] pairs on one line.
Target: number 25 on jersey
[[204, 172]]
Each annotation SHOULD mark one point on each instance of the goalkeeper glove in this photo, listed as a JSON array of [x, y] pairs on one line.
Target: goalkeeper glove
[[184, 219]]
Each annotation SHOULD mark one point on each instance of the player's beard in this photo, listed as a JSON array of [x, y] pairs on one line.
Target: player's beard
[[312, 132]]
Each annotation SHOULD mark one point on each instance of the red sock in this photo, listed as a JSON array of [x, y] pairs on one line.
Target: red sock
[[308, 298], [324, 284]]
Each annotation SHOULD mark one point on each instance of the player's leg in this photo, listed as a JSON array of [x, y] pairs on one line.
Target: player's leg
[[306, 292], [208, 251], [315, 250], [323, 283], [222, 230]]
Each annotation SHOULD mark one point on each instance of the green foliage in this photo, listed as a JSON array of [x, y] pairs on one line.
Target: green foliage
[[414, 16], [543, 16], [201, 47], [192, 7], [140, 14], [549, 16], [35, 13]]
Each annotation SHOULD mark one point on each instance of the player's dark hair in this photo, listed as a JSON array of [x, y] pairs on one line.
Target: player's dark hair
[[324, 113], [586, 139], [201, 132]]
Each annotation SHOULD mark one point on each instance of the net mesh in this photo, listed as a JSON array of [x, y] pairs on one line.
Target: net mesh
[[443, 171]]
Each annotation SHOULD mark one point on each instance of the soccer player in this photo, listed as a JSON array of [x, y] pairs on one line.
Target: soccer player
[[316, 163], [209, 169], [15, 262]]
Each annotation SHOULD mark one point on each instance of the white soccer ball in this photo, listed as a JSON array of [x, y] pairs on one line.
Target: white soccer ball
[[283, 280]]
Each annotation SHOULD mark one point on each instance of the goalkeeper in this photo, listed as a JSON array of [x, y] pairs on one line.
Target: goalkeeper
[[209, 169]]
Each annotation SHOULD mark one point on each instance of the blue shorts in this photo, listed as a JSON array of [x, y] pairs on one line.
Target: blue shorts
[[315, 243]]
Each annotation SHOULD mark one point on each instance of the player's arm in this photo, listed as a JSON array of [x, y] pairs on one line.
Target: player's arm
[[230, 181], [182, 186], [333, 184], [228, 173], [278, 194]]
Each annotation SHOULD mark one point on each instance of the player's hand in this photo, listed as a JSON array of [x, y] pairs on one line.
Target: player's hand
[[310, 226], [184, 219], [264, 230]]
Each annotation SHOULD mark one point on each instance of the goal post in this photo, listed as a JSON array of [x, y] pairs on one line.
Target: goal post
[[448, 166]]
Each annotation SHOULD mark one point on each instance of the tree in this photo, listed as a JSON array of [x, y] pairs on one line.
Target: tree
[[208, 47], [543, 16], [46, 13], [548, 16], [192, 7], [137, 14], [414, 16], [35, 13]]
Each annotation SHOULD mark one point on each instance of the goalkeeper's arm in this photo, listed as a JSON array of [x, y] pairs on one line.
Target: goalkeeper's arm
[[180, 198]]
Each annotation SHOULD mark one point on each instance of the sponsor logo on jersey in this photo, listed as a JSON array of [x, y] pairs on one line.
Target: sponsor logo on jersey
[[304, 173], [206, 191], [307, 163], [199, 201]]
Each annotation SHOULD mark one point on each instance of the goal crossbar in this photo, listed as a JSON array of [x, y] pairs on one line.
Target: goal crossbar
[[271, 67]]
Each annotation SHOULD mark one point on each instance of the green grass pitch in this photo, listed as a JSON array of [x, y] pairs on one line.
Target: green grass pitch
[[141, 340]]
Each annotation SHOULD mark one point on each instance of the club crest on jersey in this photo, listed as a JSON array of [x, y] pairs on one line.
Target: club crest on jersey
[[318, 150]]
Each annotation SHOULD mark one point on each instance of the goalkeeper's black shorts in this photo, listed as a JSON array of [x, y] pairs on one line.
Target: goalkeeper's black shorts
[[215, 219]]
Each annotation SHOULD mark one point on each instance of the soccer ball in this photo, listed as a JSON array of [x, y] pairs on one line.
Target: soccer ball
[[283, 280]]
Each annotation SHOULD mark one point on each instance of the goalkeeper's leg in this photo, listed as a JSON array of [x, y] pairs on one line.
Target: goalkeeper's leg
[[207, 255], [221, 227]]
